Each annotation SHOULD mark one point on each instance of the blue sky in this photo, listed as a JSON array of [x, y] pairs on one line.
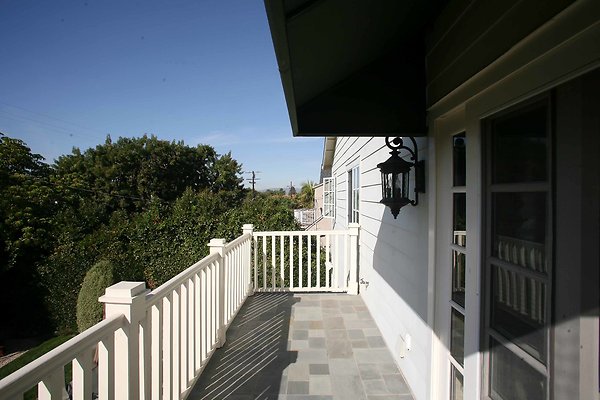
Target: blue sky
[[198, 71]]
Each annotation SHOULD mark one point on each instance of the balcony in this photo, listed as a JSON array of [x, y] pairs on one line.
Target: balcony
[[200, 336]]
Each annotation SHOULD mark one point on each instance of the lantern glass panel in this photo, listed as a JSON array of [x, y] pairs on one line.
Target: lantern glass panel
[[385, 186]]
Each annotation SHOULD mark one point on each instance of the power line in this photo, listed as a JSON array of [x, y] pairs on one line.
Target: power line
[[72, 130], [94, 191]]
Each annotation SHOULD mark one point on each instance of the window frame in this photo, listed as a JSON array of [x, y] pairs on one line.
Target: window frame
[[353, 214], [329, 197], [488, 333]]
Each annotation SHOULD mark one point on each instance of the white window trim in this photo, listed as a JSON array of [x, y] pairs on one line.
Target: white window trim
[[353, 187], [329, 197]]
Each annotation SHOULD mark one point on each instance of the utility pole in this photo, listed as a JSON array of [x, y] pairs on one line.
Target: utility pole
[[253, 180]]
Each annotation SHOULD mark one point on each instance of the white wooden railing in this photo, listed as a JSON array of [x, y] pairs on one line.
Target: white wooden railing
[[305, 216], [523, 289], [152, 345], [155, 344], [306, 261]]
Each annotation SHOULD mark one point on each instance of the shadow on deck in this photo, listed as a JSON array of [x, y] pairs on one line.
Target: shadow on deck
[[302, 346]]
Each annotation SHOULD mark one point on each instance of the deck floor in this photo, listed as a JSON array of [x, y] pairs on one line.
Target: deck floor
[[302, 346]]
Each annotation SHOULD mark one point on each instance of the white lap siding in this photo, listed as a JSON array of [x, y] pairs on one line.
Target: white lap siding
[[393, 257]]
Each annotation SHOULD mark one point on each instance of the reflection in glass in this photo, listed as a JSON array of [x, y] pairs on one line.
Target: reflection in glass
[[457, 339], [519, 147], [456, 384], [459, 270], [519, 229], [519, 310], [459, 160], [459, 220], [512, 378]]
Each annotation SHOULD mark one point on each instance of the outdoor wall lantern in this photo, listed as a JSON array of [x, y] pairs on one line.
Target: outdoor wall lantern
[[395, 176]]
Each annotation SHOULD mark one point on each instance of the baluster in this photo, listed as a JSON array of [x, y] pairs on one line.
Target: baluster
[[353, 254], [204, 309], [327, 260], [191, 325], [231, 283], [176, 342], [523, 294], [197, 323], [82, 375], [145, 356], [336, 266], [346, 262], [156, 328], [300, 269], [209, 309], [228, 285], [309, 250], [183, 346], [291, 261], [281, 257], [318, 244], [273, 262], [167, 347], [51, 387], [264, 247], [212, 296], [500, 285], [255, 263], [106, 382]]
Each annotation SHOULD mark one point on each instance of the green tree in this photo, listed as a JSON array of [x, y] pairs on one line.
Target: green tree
[[97, 279], [27, 204], [306, 197], [130, 172]]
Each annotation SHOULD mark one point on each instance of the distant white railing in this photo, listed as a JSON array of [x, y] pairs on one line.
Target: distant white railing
[[152, 345], [306, 261], [155, 344], [305, 216]]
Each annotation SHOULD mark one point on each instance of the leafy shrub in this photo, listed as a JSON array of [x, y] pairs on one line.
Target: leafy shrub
[[97, 279]]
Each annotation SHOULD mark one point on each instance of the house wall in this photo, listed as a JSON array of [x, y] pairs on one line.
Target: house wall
[[393, 257], [470, 35], [404, 260], [322, 224], [555, 59]]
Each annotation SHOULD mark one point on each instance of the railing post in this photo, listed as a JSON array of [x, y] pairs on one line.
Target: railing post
[[248, 229], [128, 299], [218, 246], [353, 282]]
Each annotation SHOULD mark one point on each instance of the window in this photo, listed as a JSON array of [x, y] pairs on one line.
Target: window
[[353, 194], [329, 197], [518, 253], [458, 274]]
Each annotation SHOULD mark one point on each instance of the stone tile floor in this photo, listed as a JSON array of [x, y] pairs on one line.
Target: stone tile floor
[[302, 346]]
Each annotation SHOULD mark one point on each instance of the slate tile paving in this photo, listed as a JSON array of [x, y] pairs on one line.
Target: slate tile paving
[[302, 347]]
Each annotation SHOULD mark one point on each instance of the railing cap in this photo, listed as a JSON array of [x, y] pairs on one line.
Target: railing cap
[[123, 290], [217, 242]]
